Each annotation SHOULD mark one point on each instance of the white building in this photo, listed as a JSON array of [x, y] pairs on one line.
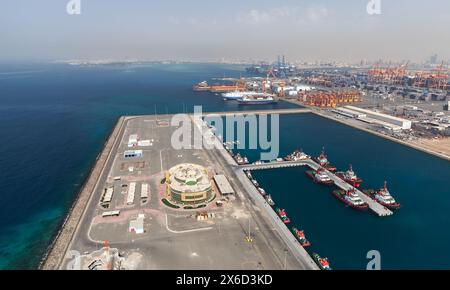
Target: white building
[[384, 118], [132, 140]]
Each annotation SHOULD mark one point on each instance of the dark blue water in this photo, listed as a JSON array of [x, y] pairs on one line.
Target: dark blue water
[[416, 237], [54, 120]]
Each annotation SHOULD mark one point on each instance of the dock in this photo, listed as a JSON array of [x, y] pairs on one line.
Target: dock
[[377, 208]]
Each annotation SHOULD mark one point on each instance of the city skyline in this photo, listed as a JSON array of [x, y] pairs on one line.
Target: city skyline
[[201, 31]]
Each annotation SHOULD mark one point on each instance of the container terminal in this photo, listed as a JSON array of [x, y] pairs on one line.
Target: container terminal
[[147, 205], [406, 103]]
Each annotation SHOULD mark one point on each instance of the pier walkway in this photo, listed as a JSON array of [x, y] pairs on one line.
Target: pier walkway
[[377, 208]]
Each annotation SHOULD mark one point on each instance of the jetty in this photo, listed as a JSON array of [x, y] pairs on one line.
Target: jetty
[[377, 208]]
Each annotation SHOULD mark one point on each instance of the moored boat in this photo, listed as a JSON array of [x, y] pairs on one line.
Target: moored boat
[[297, 155], [300, 235], [350, 177], [322, 159], [350, 198], [323, 263], [257, 100], [282, 214], [319, 176], [383, 197], [269, 200]]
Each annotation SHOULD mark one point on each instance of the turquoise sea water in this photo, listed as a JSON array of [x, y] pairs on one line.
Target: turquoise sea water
[[54, 120]]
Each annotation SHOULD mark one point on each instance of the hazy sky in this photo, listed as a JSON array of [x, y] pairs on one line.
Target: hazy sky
[[209, 29]]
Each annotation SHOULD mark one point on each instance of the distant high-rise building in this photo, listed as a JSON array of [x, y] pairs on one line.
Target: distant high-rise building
[[433, 59]]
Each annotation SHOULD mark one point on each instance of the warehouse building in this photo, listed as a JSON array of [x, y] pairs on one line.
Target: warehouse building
[[384, 119], [223, 185]]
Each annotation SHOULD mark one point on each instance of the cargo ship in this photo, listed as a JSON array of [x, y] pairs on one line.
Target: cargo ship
[[225, 88], [323, 263], [257, 100], [240, 159], [350, 177], [201, 87], [319, 176], [297, 155], [283, 216], [350, 198], [239, 95], [323, 161], [269, 200], [383, 197], [300, 235]]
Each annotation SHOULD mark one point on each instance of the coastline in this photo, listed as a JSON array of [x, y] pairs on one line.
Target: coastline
[[56, 250], [411, 145]]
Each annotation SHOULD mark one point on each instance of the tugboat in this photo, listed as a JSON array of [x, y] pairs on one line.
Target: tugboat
[[319, 176], [283, 216], [350, 177], [240, 160], [323, 161], [297, 155], [321, 262], [383, 197], [270, 200], [249, 174], [255, 183], [301, 237], [350, 198]]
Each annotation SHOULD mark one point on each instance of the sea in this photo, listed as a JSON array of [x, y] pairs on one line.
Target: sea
[[55, 119]]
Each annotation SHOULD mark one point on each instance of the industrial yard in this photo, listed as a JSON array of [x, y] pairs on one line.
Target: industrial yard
[[133, 221]]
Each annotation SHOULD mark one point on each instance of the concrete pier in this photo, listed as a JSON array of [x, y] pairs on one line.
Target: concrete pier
[[377, 208]]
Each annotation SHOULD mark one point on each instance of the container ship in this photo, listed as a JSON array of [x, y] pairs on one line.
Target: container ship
[[323, 263], [350, 177], [350, 198], [201, 87], [383, 197], [323, 161], [319, 176], [257, 100], [297, 155], [283, 216], [300, 235]]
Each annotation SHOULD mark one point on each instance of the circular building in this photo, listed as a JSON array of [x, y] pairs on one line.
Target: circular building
[[189, 184]]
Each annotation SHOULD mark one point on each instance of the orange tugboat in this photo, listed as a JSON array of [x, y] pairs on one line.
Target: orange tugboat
[[301, 237], [321, 262], [283, 216]]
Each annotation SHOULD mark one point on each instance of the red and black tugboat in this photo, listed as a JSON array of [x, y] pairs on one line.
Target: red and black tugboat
[[300, 235], [297, 155], [283, 216], [319, 176], [383, 197], [323, 263], [323, 161], [350, 198], [350, 177]]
